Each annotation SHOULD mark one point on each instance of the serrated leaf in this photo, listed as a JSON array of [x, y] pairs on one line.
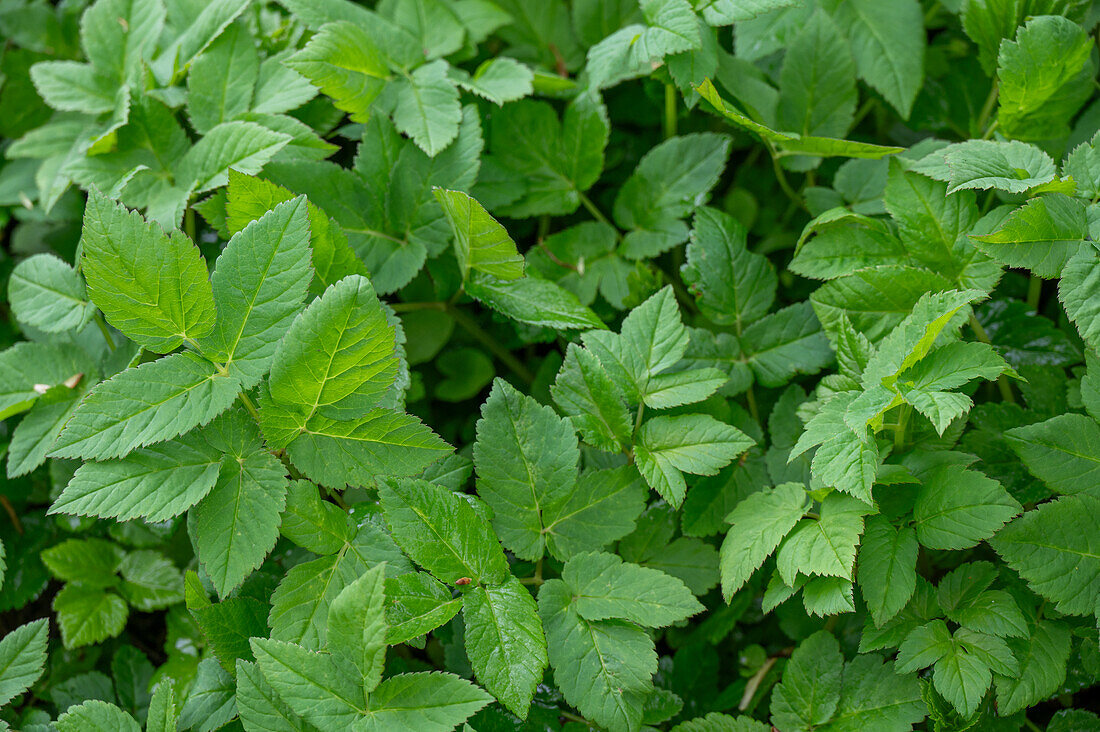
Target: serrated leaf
[[887, 568], [342, 61], [604, 587], [526, 461], [311, 683], [601, 509], [1054, 548], [260, 706], [533, 301], [667, 447], [417, 604], [732, 285], [45, 292], [244, 146], [152, 287], [259, 283], [810, 690], [1061, 452], [481, 244], [220, 82], [163, 713], [311, 523], [96, 716], [760, 522], [427, 107], [825, 545], [22, 658], [433, 702], [957, 508], [594, 403], [357, 626], [1011, 166], [442, 532], [88, 615], [604, 668], [1042, 235], [505, 642], [1043, 657], [154, 483], [153, 402]]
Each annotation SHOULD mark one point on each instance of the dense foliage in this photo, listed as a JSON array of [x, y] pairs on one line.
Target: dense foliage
[[694, 365]]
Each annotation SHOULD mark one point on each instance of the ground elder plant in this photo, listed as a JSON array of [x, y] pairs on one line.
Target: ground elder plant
[[505, 365]]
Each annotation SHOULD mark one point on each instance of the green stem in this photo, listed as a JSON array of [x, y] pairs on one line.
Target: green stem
[[899, 429], [596, 213], [189, 224], [782, 177], [103, 329], [470, 326], [987, 108], [750, 397], [250, 406], [638, 419], [670, 111], [1034, 292], [1002, 380], [991, 129], [1031, 725]]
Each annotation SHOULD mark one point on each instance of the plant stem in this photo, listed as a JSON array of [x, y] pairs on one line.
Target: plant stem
[[638, 419], [1034, 292], [750, 397], [782, 177], [12, 514], [103, 329], [987, 108], [189, 224], [596, 213], [1002, 380], [406, 307], [900, 427], [470, 326], [249, 406], [754, 683], [670, 111]]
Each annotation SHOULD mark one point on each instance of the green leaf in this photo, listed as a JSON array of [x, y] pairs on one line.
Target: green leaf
[[671, 180], [632, 51], [417, 604], [698, 444], [220, 82], [548, 163], [210, 703], [68, 86], [505, 642], [786, 343], [1061, 452], [887, 568], [1043, 78], [604, 587], [1043, 657], [22, 658], [88, 615], [96, 716], [228, 625], [817, 83], [237, 523], [526, 460], [992, 612], [603, 668], [153, 402], [118, 34], [358, 451], [594, 403], [533, 301], [338, 358], [260, 706], [810, 691], [193, 32], [427, 108], [27, 367], [825, 545], [357, 626], [93, 562], [601, 509], [1042, 235], [433, 702], [442, 532], [872, 696], [1077, 290], [342, 60], [46, 293], [498, 80], [152, 287], [732, 285], [244, 146], [150, 581], [888, 44], [154, 483], [163, 710], [481, 244], [311, 683], [957, 508], [1055, 548], [259, 283], [1011, 166], [313, 524], [759, 524]]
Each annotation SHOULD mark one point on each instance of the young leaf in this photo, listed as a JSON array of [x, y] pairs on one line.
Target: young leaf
[[343, 62], [594, 403]]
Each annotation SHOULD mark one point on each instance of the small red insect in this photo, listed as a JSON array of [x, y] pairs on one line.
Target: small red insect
[[462, 581]]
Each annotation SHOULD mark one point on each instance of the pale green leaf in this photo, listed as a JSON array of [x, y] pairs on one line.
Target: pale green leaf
[[533, 301], [759, 524], [96, 716], [887, 568], [220, 82], [432, 702], [342, 60], [243, 146], [825, 545], [593, 402], [357, 626], [667, 447], [46, 293], [481, 244], [87, 615], [1042, 235], [427, 107]]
